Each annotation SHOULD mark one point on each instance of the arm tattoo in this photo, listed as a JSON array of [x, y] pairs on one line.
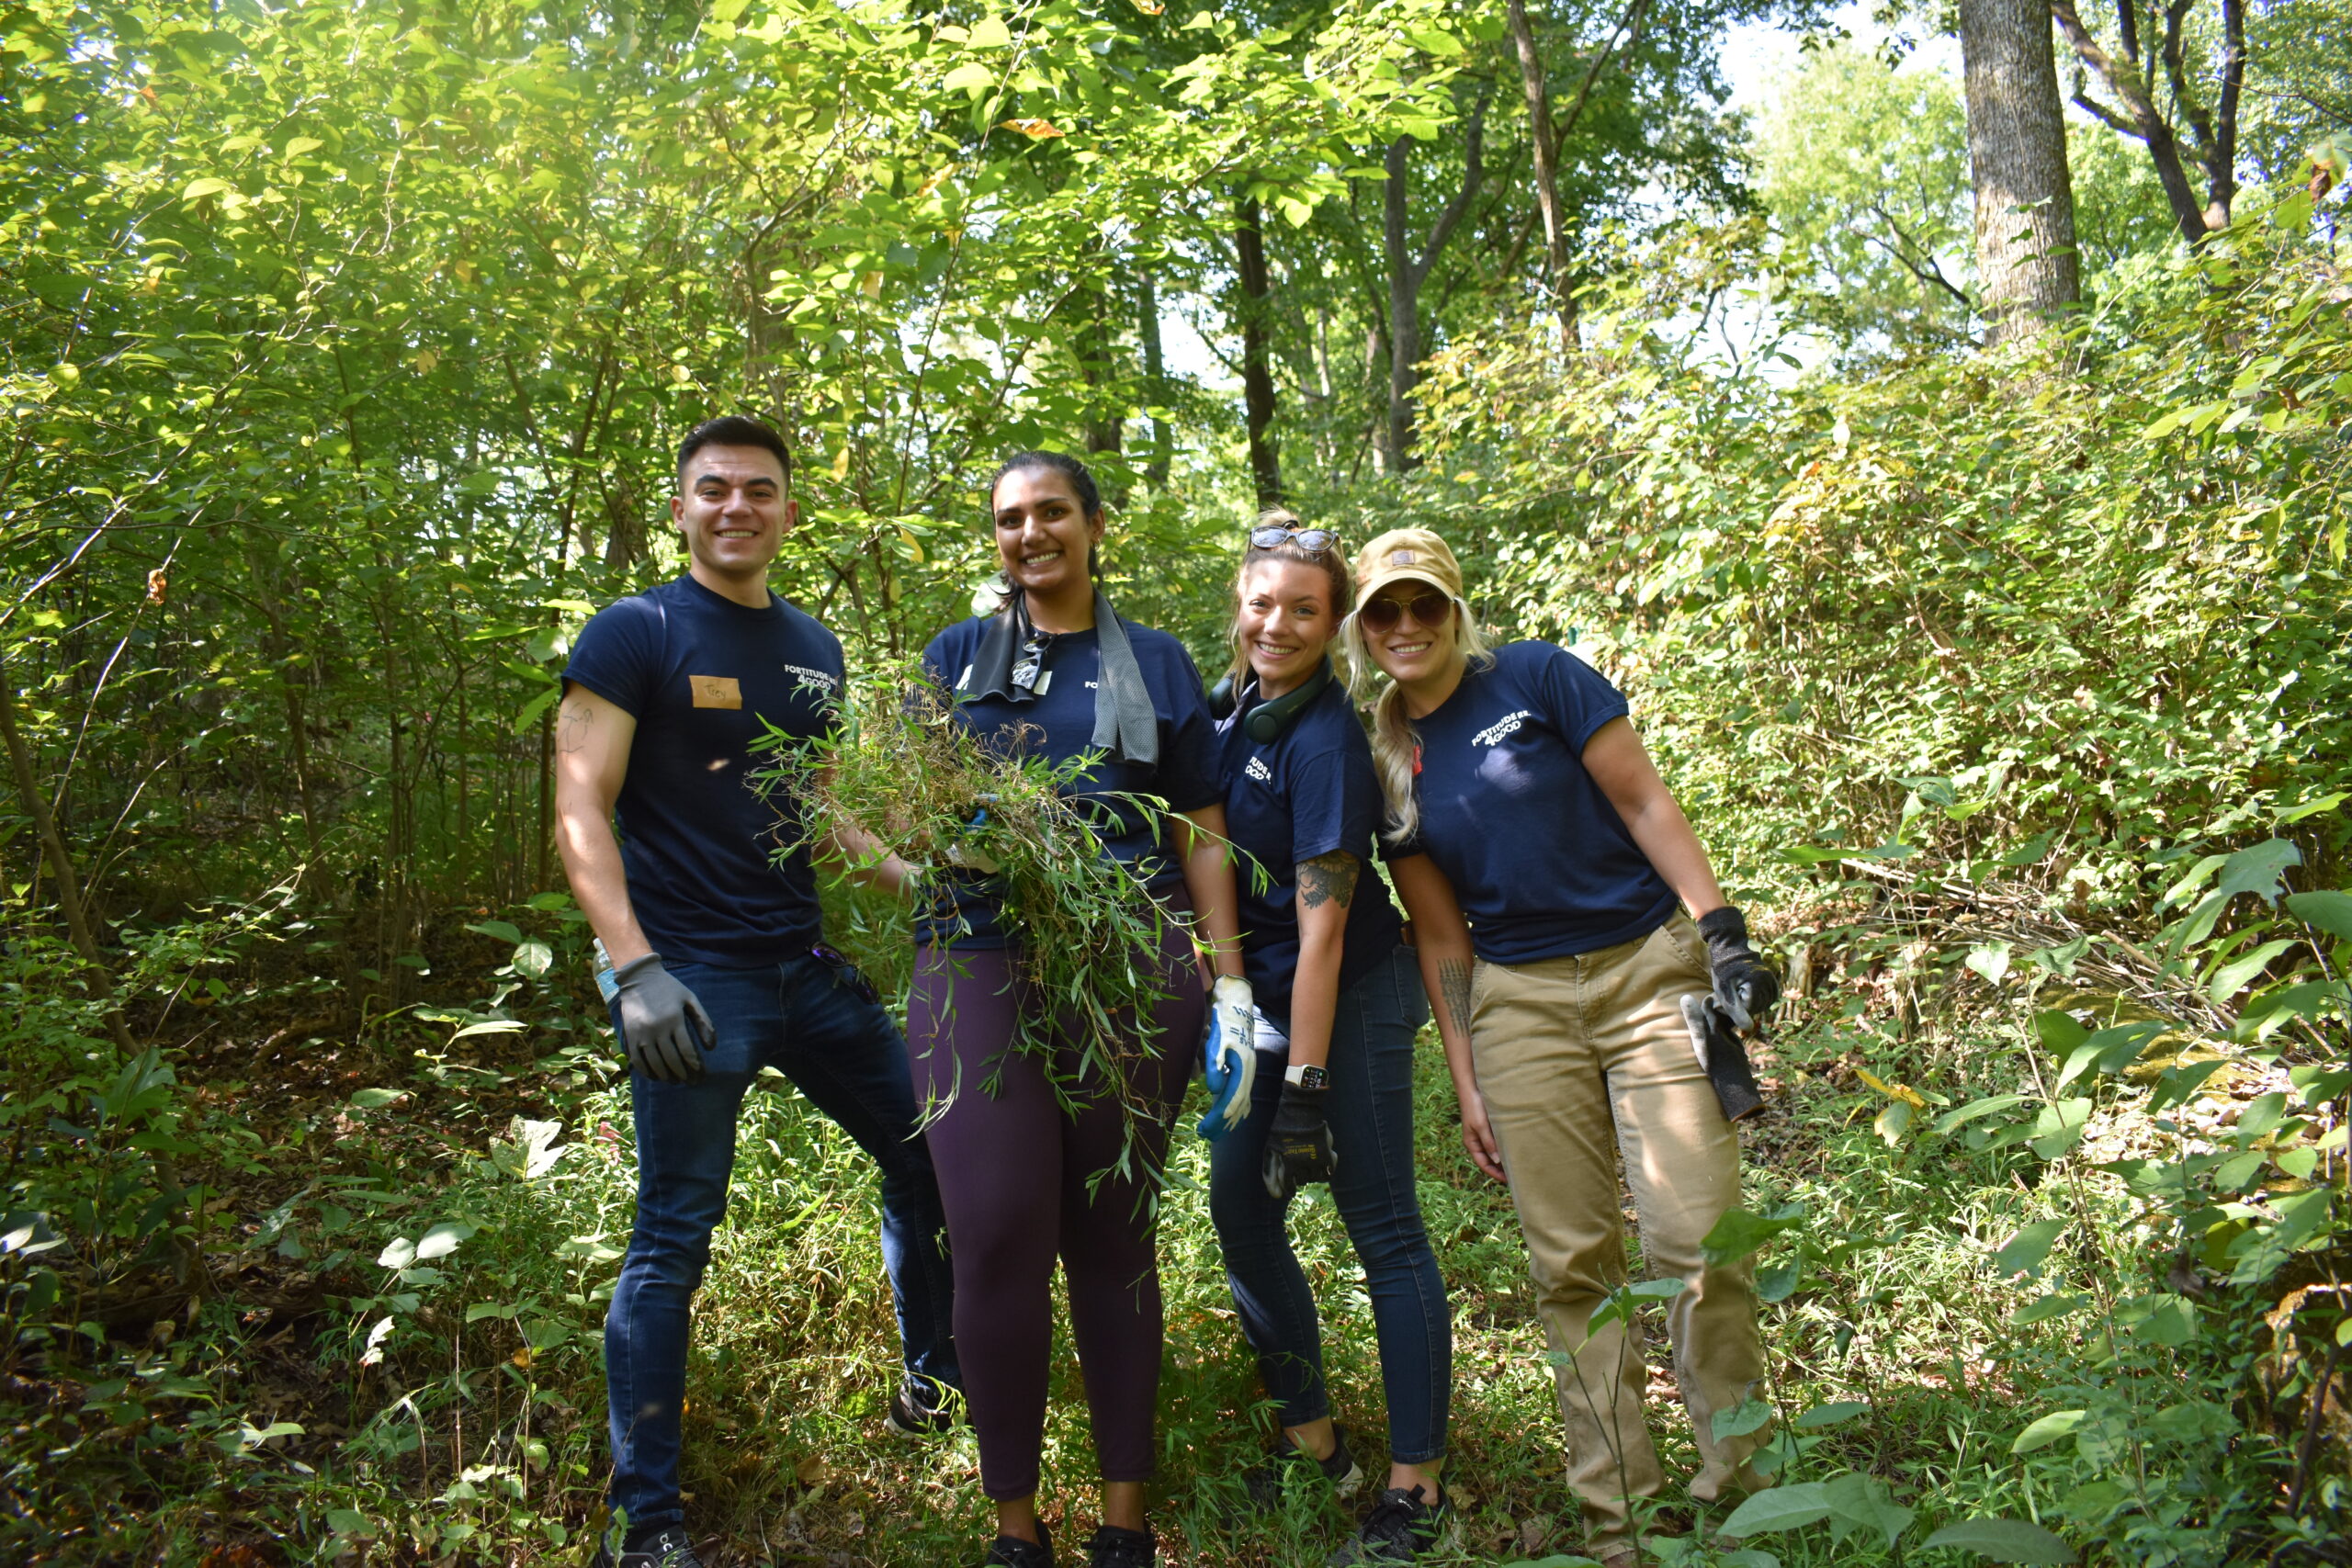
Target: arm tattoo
[[572, 734], [1328, 879], [1453, 979]]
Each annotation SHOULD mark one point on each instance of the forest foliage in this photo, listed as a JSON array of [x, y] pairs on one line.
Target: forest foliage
[[344, 349]]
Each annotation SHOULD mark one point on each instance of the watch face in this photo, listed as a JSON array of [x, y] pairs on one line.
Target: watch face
[[1313, 1077]]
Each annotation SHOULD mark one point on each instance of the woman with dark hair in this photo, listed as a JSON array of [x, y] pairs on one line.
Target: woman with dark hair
[[1338, 1004], [1599, 1018], [1056, 673]]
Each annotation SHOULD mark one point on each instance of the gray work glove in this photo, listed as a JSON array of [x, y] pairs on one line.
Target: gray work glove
[[1744, 988], [1723, 1055], [662, 1025]]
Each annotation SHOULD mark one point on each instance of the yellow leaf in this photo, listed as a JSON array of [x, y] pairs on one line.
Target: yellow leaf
[[1147, 7], [1035, 130], [841, 462], [912, 546], [522, 1358], [427, 360], [1908, 1096], [870, 285]]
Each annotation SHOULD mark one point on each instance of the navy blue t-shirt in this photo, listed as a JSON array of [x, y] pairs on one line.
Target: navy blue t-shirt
[[1309, 791], [1539, 858], [700, 673], [1058, 724]]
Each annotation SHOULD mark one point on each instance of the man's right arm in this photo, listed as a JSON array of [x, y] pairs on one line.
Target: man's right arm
[[592, 740]]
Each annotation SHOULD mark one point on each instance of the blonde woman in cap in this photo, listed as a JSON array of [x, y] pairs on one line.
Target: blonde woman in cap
[[1582, 971]]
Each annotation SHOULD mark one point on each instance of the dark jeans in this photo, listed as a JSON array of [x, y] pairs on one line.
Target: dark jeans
[[842, 1051], [1371, 1113], [1024, 1180]]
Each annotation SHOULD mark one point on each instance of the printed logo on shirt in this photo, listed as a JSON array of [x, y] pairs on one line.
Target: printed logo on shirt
[[1507, 724], [716, 691], [1259, 771], [809, 677]]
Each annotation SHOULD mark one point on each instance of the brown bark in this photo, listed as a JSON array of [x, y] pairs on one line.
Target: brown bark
[[2026, 264], [1409, 269], [1547, 164], [1257, 372], [2136, 115], [1155, 377]]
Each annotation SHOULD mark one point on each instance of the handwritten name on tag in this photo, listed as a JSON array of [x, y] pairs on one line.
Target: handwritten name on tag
[[716, 691]]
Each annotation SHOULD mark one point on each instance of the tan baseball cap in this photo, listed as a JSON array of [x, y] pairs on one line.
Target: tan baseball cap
[[1401, 553]]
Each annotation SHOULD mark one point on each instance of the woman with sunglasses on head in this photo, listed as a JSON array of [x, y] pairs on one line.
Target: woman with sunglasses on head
[[1054, 673], [1514, 779], [1339, 1003]]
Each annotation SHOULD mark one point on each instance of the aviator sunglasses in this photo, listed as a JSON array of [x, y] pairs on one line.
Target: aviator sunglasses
[[1314, 541], [1429, 608]]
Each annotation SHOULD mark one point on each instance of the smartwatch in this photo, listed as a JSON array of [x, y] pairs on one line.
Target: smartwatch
[[1304, 1077]]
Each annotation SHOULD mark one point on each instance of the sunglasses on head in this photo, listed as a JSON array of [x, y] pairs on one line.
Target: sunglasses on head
[[1429, 608], [1314, 541]]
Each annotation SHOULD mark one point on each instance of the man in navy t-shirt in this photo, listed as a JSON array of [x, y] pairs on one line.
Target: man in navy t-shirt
[[707, 906]]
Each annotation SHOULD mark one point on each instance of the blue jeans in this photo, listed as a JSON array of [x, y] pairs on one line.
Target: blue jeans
[[842, 1051], [1370, 1107]]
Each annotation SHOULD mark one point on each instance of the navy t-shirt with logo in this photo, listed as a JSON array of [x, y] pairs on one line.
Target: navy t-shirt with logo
[[704, 677], [1057, 724], [1309, 791], [1540, 860]]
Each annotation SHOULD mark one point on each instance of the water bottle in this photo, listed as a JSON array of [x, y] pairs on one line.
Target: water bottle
[[607, 987]]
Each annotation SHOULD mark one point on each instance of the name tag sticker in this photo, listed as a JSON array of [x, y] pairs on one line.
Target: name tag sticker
[[716, 691]]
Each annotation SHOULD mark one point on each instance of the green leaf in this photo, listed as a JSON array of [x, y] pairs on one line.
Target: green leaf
[[2260, 870], [499, 928], [377, 1099], [2024, 1252], [990, 32], [350, 1523], [1779, 1281], [2236, 975], [2005, 1540], [1860, 1503], [1740, 1232], [533, 959], [2058, 1424], [198, 189], [1976, 1107], [1779, 1509], [2058, 1303], [2325, 802], [1822, 1415], [2331, 912], [442, 1239], [2061, 1031], [1748, 1416]]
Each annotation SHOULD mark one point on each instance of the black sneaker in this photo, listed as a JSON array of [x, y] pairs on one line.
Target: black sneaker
[[1265, 1481], [921, 1408], [1011, 1551], [1398, 1529], [668, 1547], [1111, 1547]]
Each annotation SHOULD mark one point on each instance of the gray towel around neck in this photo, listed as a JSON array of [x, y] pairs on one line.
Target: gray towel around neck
[[1125, 725]]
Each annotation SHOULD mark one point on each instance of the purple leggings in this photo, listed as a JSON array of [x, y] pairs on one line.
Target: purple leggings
[[1013, 1169]]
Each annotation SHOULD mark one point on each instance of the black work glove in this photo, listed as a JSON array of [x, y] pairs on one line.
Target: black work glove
[[1724, 1055], [1299, 1146], [1745, 989], [662, 1025]]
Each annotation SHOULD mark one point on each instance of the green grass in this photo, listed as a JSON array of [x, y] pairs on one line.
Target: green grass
[[459, 1446]]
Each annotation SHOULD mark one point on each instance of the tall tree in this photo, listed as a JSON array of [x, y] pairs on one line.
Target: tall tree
[[2129, 78], [1408, 268], [2026, 265], [1257, 372]]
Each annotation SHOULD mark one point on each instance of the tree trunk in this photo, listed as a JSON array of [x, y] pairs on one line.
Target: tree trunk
[[1155, 377], [1256, 373], [1547, 167], [2139, 118], [1408, 271], [2026, 265]]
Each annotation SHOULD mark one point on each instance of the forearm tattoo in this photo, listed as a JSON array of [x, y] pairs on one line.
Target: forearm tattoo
[[1328, 879], [1453, 979]]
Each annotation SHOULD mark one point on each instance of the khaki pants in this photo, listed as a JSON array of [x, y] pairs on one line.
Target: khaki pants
[[1578, 1058]]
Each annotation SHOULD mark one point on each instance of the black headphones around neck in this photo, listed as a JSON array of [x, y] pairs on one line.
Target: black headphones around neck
[[1270, 718]]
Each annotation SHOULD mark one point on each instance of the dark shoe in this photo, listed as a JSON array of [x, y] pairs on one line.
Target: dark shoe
[[1266, 1480], [669, 1546], [1400, 1526], [1111, 1547], [921, 1409], [1011, 1551]]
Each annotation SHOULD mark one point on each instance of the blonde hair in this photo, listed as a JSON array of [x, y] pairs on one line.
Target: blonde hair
[[1334, 564], [1393, 743]]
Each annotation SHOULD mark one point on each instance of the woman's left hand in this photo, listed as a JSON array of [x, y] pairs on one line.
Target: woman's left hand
[[1298, 1143], [1478, 1134]]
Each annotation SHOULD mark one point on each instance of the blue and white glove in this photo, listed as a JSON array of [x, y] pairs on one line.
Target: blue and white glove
[[1230, 1056]]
